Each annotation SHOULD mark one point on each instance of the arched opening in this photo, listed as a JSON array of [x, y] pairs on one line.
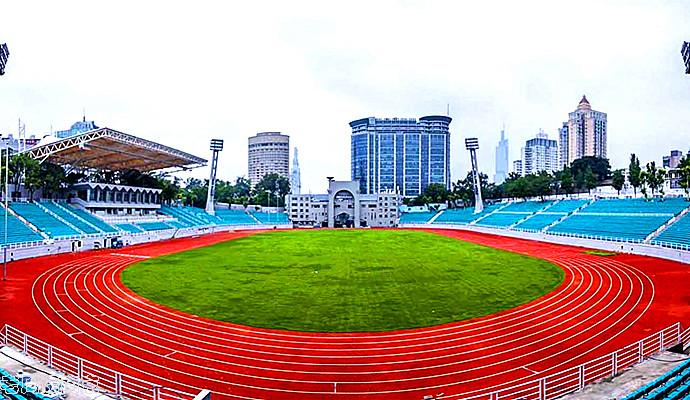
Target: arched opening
[[344, 209]]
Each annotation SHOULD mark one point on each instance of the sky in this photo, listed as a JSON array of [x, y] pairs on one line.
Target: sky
[[182, 72]]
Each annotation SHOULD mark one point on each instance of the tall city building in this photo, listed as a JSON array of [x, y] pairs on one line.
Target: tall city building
[[501, 159], [404, 155], [295, 179], [685, 51], [673, 160], [517, 167], [269, 152], [584, 134], [540, 154]]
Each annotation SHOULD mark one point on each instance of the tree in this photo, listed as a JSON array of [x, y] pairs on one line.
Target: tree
[[51, 178], [634, 173], [541, 184], [567, 181], [590, 180], [684, 175], [24, 169], [600, 167], [618, 180], [269, 187], [654, 177]]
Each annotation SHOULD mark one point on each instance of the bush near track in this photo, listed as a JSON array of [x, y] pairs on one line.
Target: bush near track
[[343, 281]]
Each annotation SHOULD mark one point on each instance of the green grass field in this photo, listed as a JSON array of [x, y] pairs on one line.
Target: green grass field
[[342, 280]]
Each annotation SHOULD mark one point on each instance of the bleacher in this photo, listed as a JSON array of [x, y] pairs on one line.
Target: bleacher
[[17, 232], [550, 215], [676, 234], [153, 226], [417, 217], [131, 228], [620, 219], [513, 213], [673, 385], [13, 389], [271, 218], [463, 216], [234, 217], [69, 217], [183, 215], [92, 219], [47, 223]]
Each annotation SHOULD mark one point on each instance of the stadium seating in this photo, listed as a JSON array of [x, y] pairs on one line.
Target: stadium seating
[[550, 215], [13, 389], [234, 217], [513, 213], [183, 215], [673, 385], [69, 217], [463, 216], [130, 228], [676, 234], [17, 232], [92, 219], [271, 218], [153, 226], [417, 217], [614, 219], [47, 223]]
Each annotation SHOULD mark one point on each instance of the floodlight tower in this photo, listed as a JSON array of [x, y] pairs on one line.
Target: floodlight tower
[[472, 144], [216, 147], [4, 55]]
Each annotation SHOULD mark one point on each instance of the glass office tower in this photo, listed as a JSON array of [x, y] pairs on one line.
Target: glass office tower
[[404, 155]]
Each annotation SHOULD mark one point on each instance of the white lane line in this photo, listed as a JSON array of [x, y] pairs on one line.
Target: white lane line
[[130, 255]]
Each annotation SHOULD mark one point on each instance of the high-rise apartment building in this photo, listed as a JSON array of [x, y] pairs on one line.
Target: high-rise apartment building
[[673, 160], [540, 154], [404, 155], [295, 178], [501, 159], [517, 167], [584, 134], [269, 152]]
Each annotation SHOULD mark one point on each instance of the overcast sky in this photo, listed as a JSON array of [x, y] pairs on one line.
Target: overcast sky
[[182, 73]]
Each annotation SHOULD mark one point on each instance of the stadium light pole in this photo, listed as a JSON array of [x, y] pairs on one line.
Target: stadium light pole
[[216, 147], [7, 187], [472, 144]]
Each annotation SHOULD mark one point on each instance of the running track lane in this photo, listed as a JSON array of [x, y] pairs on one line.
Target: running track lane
[[603, 304]]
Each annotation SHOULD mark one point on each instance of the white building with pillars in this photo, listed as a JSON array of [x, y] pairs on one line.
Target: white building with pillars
[[344, 206]]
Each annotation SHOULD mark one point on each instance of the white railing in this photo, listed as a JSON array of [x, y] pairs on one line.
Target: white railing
[[575, 378], [87, 374]]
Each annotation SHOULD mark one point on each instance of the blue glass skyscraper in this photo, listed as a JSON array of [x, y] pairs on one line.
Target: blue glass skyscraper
[[400, 154]]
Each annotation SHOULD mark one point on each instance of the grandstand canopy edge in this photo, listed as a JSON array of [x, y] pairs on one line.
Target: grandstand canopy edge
[[109, 149]]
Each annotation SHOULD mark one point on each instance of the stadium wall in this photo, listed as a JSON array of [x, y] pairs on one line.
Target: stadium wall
[[617, 246]]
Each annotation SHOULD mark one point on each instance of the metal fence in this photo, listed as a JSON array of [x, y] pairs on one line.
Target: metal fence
[[87, 374], [102, 379]]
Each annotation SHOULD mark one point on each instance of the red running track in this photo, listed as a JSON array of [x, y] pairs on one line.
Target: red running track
[[78, 303]]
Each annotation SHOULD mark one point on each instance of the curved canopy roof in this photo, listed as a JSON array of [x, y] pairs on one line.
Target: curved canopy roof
[[109, 149]]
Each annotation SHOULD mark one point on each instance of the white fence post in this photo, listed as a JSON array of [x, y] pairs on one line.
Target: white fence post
[[156, 392], [614, 364], [581, 377], [118, 383], [80, 369], [25, 347], [542, 388], [50, 356], [640, 351], [661, 341]]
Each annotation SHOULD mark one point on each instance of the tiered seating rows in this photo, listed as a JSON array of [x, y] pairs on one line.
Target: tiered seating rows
[[417, 217], [17, 232], [271, 218], [677, 233], [612, 226], [153, 226], [92, 219], [463, 215], [52, 226], [673, 385], [67, 216]]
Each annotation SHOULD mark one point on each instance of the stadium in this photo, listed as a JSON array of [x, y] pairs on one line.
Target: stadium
[[127, 296]]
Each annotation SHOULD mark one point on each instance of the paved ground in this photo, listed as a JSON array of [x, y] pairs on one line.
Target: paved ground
[[630, 380]]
